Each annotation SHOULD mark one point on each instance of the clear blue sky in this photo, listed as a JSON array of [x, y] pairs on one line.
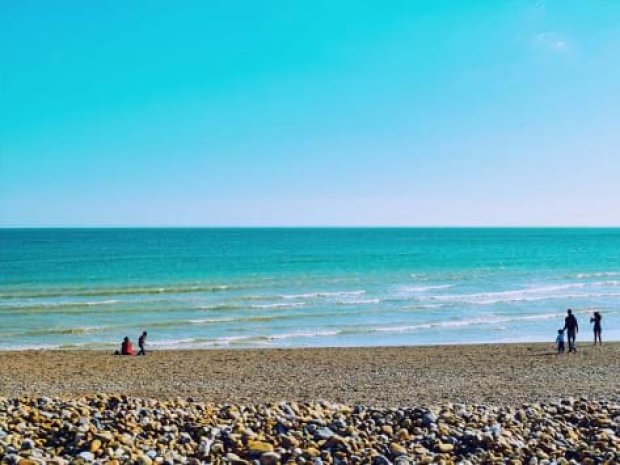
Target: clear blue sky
[[310, 113]]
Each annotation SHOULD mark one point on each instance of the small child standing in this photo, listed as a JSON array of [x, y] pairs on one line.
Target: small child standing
[[560, 341]]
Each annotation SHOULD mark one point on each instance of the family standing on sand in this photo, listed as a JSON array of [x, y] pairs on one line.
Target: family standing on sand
[[572, 328], [127, 348]]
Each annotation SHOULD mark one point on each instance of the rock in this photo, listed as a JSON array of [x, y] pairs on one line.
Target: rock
[[290, 442], [57, 461], [104, 436], [234, 459], [270, 458], [217, 447], [259, 448], [429, 419], [381, 460], [87, 456], [95, 445], [149, 432], [324, 433], [144, 460], [396, 449], [312, 452], [27, 444], [445, 448]]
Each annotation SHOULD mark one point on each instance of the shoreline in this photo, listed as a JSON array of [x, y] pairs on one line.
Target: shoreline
[[156, 346], [499, 374]]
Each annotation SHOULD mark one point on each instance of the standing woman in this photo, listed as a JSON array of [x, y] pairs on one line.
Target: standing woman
[[596, 319]]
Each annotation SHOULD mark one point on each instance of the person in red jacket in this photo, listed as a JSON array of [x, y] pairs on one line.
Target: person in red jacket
[[127, 348]]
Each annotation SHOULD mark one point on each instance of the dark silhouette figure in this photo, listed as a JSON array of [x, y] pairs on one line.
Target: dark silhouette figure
[[141, 342], [596, 319], [560, 341], [127, 348], [572, 328]]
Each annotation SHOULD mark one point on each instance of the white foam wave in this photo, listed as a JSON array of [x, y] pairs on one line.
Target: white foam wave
[[416, 289], [278, 305], [599, 274], [314, 295], [64, 330], [173, 343], [302, 334], [204, 321], [358, 302], [30, 304], [221, 306], [423, 306], [528, 294]]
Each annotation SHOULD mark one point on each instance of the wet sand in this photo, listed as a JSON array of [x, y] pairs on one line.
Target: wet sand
[[507, 374]]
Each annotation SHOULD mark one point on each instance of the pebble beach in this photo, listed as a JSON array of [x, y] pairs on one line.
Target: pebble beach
[[513, 404]]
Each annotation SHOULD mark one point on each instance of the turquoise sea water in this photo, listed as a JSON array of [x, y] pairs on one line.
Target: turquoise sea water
[[303, 287]]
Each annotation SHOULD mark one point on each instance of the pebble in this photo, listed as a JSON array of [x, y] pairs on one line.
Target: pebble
[[119, 430], [86, 455]]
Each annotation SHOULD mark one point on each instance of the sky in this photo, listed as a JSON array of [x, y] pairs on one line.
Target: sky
[[310, 113]]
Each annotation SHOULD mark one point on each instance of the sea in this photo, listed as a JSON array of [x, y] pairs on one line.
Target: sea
[[303, 287]]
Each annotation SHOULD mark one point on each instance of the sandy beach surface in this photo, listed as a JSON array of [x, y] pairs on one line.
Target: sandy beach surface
[[506, 374]]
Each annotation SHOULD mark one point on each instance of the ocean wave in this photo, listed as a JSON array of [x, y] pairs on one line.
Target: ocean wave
[[303, 334], [221, 306], [599, 274], [253, 298], [28, 305], [196, 343], [358, 302], [93, 292], [416, 289], [423, 307], [314, 295], [278, 305], [61, 331], [527, 294], [259, 339], [204, 321]]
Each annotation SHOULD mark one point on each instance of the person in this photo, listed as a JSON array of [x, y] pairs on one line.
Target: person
[[572, 328], [560, 341], [141, 342], [127, 348], [596, 319]]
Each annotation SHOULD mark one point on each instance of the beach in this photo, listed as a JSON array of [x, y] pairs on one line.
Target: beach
[[379, 376], [509, 403]]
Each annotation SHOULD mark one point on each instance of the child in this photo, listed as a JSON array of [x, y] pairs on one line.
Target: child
[[560, 341]]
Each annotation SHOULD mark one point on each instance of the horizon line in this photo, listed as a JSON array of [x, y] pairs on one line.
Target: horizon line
[[327, 226]]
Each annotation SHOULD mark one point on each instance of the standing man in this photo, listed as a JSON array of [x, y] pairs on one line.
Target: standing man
[[141, 342], [572, 328]]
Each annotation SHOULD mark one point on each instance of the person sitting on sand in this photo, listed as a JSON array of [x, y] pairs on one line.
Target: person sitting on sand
[[127, 348], [572, 328], [560, 341], [596, 319], [141, 342]]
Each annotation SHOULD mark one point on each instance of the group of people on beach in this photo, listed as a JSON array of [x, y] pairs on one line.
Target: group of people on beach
[[127, 347], [572, 328]]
